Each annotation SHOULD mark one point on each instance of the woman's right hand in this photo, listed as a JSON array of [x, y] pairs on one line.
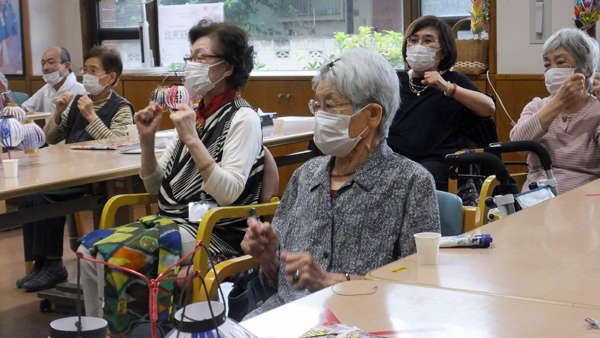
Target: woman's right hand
[[260, 241], [148, 119], [573, 91]]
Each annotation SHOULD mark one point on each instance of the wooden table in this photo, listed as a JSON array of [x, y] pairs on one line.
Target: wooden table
[[59, 166], [413, 311], [549, 252]]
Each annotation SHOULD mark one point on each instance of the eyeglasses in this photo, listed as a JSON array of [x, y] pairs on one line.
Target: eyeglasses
[[91, 71], [203, 58], [328, 106], [426, 41]]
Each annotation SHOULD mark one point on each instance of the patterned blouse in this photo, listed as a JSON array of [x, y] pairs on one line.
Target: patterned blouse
[[369, 223]]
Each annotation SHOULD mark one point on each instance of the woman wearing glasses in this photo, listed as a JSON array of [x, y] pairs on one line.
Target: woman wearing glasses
[[216, 158], [355, 210], [435, 100]]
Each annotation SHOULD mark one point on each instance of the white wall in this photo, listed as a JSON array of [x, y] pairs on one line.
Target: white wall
[[55, 23], [515, 54]]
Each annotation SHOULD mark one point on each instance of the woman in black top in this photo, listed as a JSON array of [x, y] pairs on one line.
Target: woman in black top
[[435, 100]]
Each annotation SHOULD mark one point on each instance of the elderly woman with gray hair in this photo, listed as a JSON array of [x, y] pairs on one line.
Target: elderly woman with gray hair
[[355, 210], [567, 122]]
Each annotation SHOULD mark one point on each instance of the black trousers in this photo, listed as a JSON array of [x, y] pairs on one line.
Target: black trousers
[[45, 238], [438, 169]]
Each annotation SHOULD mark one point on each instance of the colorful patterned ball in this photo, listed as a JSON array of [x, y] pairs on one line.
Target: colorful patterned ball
[[12, 132], [14, 110], [159, 95], [34, 137], [177, 96]]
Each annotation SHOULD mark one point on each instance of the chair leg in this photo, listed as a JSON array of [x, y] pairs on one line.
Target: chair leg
[[28, 266]]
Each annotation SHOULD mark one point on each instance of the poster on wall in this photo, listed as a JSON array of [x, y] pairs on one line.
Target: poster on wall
[[11, 38], [174, 23]]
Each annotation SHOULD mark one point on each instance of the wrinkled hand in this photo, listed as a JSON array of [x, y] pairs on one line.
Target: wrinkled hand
[[185, 123], [3, 87], [434, 79], [260, 241], [572, 93], [312, 277], [86, 107], [148, 120], [62, 101], [596, 86]]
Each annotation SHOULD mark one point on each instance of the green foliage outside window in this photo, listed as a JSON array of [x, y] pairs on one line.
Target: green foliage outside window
[[387, 43]]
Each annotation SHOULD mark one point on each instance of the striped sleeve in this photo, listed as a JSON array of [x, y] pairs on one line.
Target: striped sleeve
[[529, 127], [58, 132], [118, 125]]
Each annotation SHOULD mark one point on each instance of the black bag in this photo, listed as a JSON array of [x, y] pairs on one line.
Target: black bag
[[247, 294]]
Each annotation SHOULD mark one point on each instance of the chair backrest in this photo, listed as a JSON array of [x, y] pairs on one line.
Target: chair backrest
[[270, 181], [206, 227], [19, 97], [451, 210], [487, 189]]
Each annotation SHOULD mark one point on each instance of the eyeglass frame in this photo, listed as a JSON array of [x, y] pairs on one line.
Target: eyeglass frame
[[419, 41], [204, 57], [335, 107]]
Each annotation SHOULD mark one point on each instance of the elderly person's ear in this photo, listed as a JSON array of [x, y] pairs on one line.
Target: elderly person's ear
[[375, 114]]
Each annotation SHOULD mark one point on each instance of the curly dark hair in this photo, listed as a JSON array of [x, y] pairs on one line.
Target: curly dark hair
[[232, 44], [445, 36]]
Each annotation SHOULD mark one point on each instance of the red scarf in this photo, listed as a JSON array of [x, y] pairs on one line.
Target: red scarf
[[203, 113]]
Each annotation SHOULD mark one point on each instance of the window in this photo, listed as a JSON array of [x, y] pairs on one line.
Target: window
[[286, 34]]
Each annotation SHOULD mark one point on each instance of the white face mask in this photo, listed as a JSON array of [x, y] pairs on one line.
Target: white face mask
[[420, 58], [555, 77], [331, 133], [196, 77], [54, 77], [92, 85]]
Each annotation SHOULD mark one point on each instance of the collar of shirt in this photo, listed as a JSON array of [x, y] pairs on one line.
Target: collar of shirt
[[66, 86], [366, 176]]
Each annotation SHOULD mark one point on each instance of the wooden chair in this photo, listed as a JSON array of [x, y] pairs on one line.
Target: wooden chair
[[268, 205], [487, 190]]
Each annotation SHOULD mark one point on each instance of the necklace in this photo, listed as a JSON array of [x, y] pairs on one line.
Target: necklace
[[414, 87], [348, 174]]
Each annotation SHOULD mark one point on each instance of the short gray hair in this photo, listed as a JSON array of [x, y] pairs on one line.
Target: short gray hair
[[364, 77], [584, 49]]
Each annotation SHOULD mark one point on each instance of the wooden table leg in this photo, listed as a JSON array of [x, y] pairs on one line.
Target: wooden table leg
[[117, 187]]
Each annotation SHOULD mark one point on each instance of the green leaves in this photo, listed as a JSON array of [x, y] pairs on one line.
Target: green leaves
[[387, 43]]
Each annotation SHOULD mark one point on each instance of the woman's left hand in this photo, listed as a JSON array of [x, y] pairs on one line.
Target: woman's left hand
[[185, 123], [596, 86], [309, 274], [434, 79]]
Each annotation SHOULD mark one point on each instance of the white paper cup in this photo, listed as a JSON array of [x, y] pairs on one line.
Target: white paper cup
[[10, 168], [132, 132], [428, 247], [278, 124]]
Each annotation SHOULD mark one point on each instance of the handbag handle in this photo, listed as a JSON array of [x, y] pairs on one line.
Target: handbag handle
[[456, 27]]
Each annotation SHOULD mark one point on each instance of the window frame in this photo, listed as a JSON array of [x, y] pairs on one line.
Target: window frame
[[99, 34], [91, 31]]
